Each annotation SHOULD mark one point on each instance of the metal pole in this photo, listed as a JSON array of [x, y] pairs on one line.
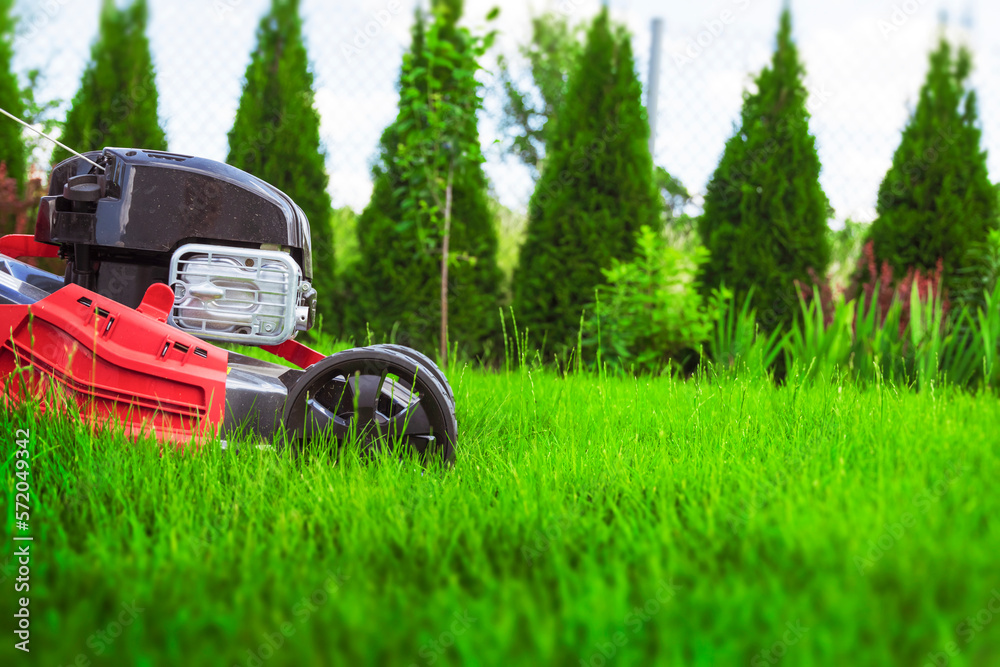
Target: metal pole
[[653, 91]]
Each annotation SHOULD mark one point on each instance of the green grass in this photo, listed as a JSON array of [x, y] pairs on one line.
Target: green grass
[[693, 522]]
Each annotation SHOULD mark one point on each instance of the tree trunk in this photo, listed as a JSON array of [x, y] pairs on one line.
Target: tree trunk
[[444, 268]]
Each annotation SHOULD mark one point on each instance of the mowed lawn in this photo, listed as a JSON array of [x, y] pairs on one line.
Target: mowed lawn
[[589, 520]]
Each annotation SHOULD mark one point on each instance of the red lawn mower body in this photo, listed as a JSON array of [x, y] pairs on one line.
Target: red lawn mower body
[[114, 363], [164, 253]]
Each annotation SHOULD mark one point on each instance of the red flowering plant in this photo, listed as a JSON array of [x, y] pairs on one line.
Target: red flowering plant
[[880, 328], [15, 208], [880, 289]]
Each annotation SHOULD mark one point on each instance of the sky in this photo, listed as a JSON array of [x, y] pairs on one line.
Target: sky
[[865, 61]]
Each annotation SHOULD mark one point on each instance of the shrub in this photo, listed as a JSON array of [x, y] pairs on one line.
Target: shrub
[[595, 192], [936, 202], [275, 135], [765, 213], [116, 104], [650, 313]]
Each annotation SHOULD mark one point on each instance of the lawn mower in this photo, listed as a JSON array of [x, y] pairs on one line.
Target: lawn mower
[[166, 254]]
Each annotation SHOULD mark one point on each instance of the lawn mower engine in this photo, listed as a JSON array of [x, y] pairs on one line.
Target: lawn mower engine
[[165, 252]]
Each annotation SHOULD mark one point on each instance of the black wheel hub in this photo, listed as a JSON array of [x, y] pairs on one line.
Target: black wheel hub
[[381, 398]]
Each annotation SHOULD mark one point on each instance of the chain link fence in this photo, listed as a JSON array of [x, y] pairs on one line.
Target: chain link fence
[[865, 62]]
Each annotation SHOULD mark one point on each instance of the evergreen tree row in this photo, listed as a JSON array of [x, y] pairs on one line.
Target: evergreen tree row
[[765, 213]]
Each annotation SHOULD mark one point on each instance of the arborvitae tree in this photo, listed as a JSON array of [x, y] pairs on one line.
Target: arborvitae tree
[[936, 201], [595, 191], [117, 101], [275, 135], [393, 290], [12, 147], [765, 214]]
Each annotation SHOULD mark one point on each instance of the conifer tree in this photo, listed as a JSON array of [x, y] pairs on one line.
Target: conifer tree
[[394, 287], [765, 215], [276, 134], [595, 192], [116, 104], [936, 201], [12, 146]]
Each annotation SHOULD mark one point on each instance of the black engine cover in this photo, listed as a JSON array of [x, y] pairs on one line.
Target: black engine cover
[[119, 228]]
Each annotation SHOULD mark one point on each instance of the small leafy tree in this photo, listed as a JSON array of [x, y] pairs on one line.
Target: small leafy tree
[[275, 134], [845, 251], [38, 113], [936, 203], [116, 104], [679, 225], [554, 47], [427, 269], [675, 196], [595, 191], [765, 214], [12, 148], [651, 311], [432, 151]]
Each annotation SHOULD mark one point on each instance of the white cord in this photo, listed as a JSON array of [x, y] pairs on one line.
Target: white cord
[[60, 144]]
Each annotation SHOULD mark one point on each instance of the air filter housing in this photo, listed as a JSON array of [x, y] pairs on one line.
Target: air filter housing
[[238, 295]]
